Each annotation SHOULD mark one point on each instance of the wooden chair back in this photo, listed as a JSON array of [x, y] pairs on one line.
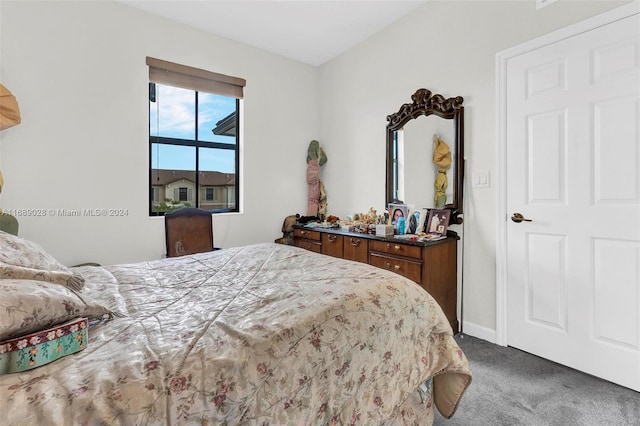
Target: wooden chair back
[[188, 230]]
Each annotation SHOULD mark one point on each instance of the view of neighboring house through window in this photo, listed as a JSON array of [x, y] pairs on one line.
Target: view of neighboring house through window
[[193, 140]]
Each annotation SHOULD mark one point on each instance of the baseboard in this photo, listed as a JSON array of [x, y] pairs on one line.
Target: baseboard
[[479, 331]]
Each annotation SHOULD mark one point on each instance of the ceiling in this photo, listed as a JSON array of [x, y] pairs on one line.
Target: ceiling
[[309, 31]]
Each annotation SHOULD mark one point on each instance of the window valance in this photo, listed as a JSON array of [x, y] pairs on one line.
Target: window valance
[[170, 73]]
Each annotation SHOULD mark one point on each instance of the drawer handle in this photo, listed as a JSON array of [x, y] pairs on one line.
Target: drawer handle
[[303, 232], [396, 267], [354, 241], [395, 247], [333, 238]]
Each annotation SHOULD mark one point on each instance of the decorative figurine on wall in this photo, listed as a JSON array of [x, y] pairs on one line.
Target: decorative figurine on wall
[[9, 117], [9, 109], [442, 159], [9, 114], [317, 200]]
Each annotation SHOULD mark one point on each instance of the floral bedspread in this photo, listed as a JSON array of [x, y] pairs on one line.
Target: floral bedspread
[[261, 334]]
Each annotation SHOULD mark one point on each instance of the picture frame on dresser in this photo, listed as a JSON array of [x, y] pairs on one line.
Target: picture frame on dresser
[[424, 214], [397, 211], [415, 221], [438, 222]]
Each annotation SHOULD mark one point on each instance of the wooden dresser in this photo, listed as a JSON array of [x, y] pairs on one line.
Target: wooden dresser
[[433, 265]]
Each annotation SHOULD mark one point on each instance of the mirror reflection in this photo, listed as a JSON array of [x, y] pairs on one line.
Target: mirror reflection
[[417, 172], [425, 149]]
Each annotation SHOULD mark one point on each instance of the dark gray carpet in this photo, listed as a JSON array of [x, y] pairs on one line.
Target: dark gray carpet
[[511, 387]]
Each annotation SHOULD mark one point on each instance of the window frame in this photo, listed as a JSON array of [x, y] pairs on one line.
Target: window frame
[[198, 81]]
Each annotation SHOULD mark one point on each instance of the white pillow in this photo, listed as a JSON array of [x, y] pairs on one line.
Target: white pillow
[[23, 259]]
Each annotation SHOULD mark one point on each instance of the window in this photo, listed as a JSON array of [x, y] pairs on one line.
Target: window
[[208, 194], [194, 153], [182, 194]]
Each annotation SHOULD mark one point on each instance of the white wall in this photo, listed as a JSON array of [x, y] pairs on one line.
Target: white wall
[[78, 71], [450, 48]]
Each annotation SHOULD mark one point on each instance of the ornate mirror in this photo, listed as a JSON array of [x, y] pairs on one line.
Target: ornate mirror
[[419, 171]]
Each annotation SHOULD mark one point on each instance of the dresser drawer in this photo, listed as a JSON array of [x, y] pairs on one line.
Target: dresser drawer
[[332, 245], [406, 268], [310, 245], [305, 233], [397, 249], [355, 248]]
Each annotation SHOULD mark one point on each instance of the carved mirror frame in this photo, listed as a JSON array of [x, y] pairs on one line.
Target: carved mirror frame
[[424, 103]]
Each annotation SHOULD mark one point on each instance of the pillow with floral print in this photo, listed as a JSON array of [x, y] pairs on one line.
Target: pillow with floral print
[[23, 259], [27, 306]]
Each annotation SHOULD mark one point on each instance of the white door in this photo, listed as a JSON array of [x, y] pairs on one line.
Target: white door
[[573, 169]]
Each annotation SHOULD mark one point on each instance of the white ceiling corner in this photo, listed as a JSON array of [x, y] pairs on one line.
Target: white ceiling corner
[[309, 31]]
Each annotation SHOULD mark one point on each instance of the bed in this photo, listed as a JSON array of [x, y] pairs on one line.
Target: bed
[[260, 334]]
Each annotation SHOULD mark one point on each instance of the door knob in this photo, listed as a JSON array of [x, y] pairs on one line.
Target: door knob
[[517, 218]]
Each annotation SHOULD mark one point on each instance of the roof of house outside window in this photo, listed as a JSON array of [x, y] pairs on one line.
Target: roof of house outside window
[[226, 126]]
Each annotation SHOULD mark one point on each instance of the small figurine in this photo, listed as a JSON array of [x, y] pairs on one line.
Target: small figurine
[[372, 215]]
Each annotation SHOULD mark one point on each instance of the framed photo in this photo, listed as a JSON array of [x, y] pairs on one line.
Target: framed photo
[[424, 214], [438, 222], [415, 219], [397, 211]]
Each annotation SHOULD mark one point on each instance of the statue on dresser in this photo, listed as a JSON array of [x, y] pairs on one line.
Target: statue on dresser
[[317, 196]]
